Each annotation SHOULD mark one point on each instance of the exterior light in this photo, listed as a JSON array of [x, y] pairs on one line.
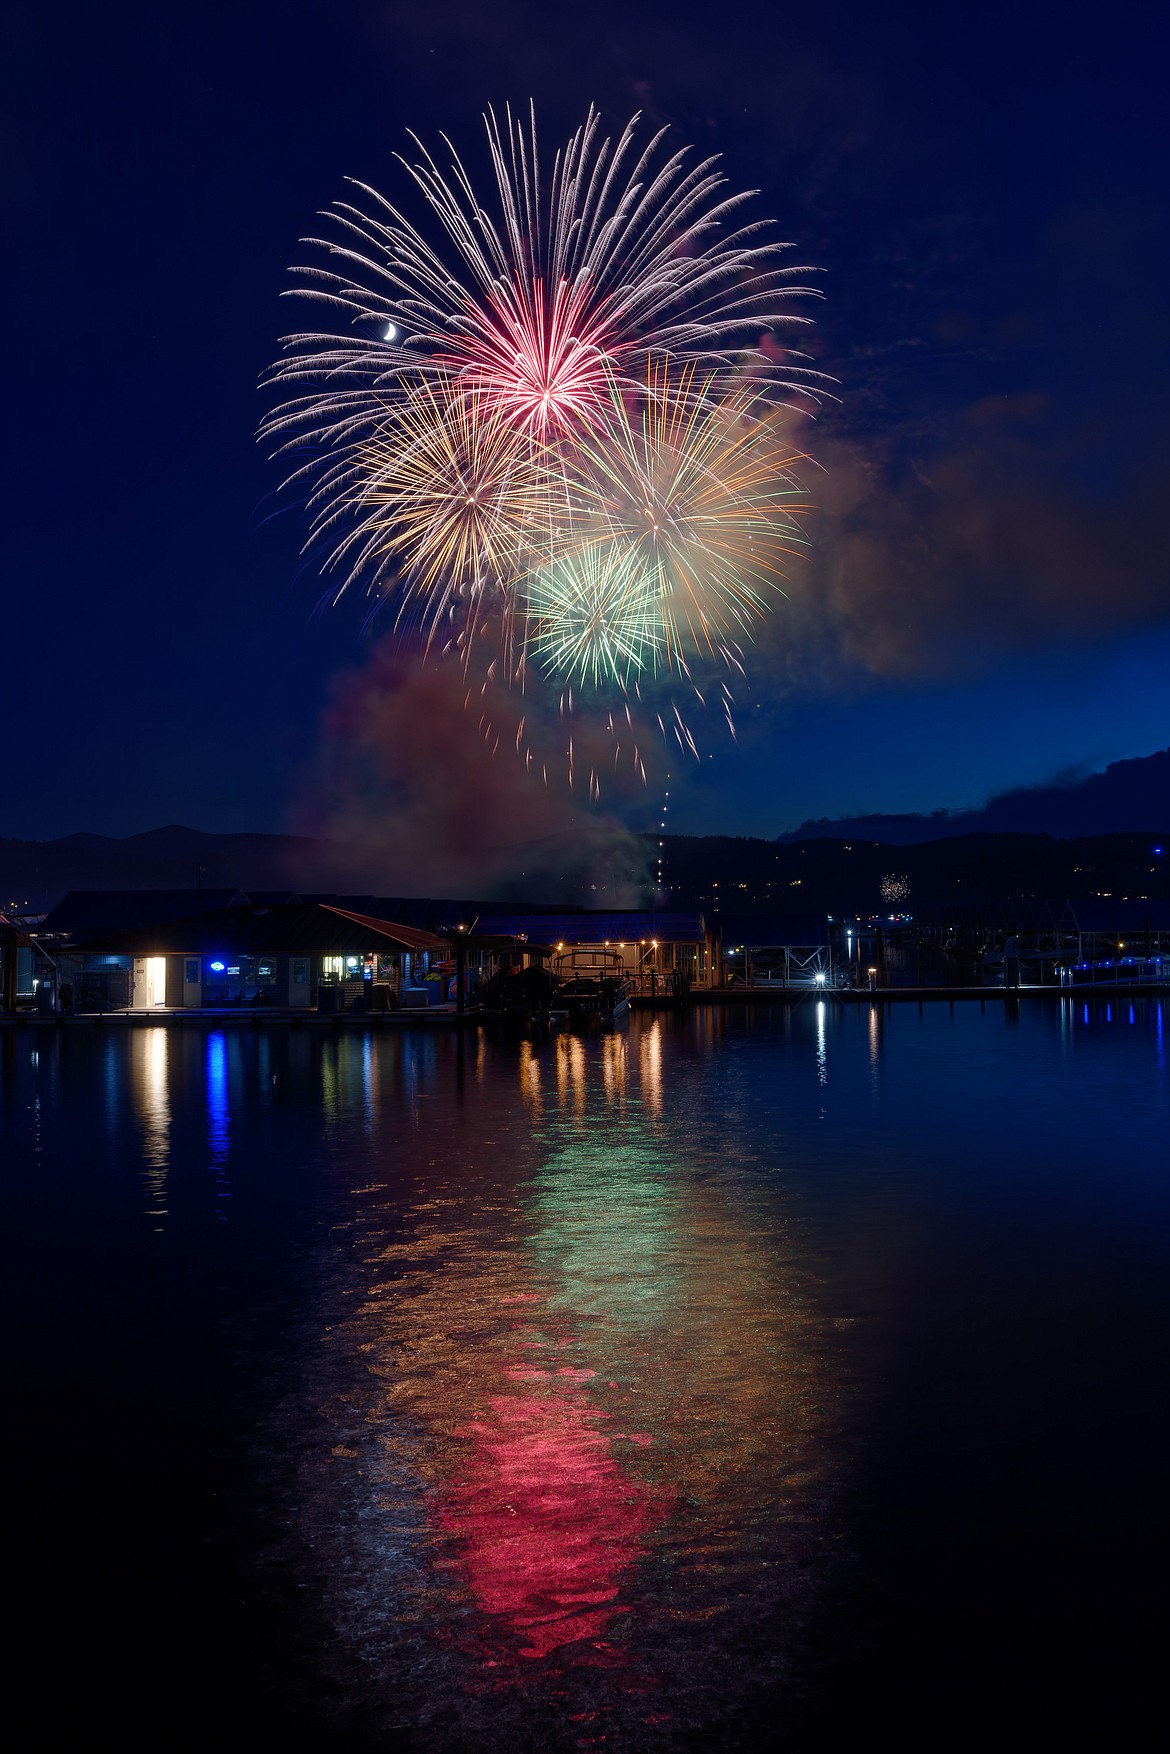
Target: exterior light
[[351, 962], [820, 978]]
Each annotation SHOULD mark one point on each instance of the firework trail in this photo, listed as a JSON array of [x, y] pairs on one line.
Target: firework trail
[[555, 434]]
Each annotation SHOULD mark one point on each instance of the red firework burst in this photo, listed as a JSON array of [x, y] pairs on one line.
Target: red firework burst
[[538, 365]]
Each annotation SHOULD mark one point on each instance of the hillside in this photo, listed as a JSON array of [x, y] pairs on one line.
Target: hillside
[[957, 875]]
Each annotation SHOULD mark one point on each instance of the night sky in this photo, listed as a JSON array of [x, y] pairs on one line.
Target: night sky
[[985, 604]]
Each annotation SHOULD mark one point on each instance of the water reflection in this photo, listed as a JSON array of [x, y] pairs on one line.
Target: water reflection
[[369, 1086], [113, 1085], [1161, 1049], [543, 1360], [219, 1115], [531, 1087], [148, 1075], [560, 1368], [650, 1066], [547, 1522], [570, 1065], [874, 1034]]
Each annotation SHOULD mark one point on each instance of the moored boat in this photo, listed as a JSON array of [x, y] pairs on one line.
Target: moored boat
[[591, 986]]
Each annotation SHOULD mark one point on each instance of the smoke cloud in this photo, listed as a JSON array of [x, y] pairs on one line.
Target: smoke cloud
[[422, 796], [929, 557]]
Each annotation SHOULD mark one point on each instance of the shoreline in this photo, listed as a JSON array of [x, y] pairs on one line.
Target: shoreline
[[717, 997]]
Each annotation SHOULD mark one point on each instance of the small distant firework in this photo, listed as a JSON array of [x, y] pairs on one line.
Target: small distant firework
[[895, 889], [550, 431]]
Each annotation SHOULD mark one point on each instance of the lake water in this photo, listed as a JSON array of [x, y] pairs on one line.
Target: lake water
[[745, 1379]]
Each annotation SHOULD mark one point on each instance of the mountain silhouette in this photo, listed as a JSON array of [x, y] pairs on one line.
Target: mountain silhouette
[[1128, 797]]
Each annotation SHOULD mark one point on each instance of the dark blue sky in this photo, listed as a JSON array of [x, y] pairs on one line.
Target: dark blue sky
[[986, 603]]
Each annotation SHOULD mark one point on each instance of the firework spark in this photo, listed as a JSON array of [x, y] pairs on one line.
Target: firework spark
[[594, 616], [698, 486]]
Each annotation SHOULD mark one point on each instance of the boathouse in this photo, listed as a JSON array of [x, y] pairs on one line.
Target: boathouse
[[255, 952]]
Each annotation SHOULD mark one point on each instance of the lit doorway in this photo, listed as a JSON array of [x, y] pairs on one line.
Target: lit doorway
[[156, 980]]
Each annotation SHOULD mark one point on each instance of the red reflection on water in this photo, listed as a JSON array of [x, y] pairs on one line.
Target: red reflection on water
[[546, 1519]]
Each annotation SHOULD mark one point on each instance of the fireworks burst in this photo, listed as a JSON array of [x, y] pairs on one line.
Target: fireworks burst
[[698, 486], [595, 616], [444, 496], [554, 425], [610, 262], [894, 888]]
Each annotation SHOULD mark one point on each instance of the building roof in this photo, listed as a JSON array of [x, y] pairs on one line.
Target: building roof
[[625, 927], [127, 910], [288, 929], [19, 935], [429, 913], [763, 931]]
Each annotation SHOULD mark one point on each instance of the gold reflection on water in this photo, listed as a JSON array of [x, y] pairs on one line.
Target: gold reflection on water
[[570, 1064], [530, 1077], [875, 1035], [822, 1050], [650, 1066], [148, 1079], [349, 1081], [613, 1066]]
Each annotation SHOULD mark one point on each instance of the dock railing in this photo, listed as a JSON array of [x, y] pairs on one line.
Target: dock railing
[[1116, 971]]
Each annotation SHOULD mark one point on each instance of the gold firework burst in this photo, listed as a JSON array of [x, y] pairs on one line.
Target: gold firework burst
[[697, 484], [451, 501]]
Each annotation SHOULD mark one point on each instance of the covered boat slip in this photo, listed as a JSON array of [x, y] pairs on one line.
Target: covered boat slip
[[591, 985], [644, 951], [663, 956]]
